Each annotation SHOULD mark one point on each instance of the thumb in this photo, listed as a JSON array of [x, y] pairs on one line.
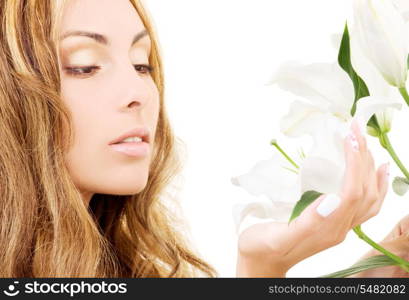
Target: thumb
[[402, 228], [398, 246]]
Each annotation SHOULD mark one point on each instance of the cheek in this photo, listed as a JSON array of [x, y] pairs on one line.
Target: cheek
[[86, 112], [92, 164], [84, 154], [155, 103], [81, 99]]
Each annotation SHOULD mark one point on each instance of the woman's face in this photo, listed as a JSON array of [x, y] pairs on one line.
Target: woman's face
[[107, 85]]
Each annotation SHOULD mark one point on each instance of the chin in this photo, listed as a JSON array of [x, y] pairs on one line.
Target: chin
[[123, 190], [129, 188]]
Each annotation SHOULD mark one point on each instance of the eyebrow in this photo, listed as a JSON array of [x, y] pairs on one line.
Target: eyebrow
[[99, 38]]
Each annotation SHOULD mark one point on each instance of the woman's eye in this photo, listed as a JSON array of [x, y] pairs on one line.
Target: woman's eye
[[90, 70], [81, 71], [144, 69]]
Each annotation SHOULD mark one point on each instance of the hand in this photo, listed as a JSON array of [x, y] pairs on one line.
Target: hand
[[397, 242], [270, 249]]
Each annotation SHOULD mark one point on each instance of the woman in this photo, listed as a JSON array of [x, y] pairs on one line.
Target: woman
[[71, 203], [82, 112]]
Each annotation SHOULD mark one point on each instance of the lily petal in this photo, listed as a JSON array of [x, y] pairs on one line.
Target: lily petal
[[322, 83], [274, 178], [302, 118], [258, 208], [383, 36], [258, 211], [322, 175], [381, 106], [368, 71], [403, 7], [328, 140]]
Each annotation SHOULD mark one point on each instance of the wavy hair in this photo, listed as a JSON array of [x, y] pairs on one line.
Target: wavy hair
[[46, 230]]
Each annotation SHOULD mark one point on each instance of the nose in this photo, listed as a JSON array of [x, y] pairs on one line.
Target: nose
[[134, 89]]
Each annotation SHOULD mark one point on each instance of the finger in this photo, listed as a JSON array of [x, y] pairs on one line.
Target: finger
[[352, 185], [367, 206], [369, 175], [383, 179], [369, 170], [363, 147], [380, 182], [359, 135], [402, 228], [397, 245]]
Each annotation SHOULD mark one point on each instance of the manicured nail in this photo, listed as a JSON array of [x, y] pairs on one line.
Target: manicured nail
[[328, 205], [353, 141]]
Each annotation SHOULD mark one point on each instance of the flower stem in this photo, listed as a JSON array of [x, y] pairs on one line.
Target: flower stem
[[384, 140], [404, 264], [404, 92], [275, 144]]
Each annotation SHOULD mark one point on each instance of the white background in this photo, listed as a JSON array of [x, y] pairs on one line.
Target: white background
[[218, 57]]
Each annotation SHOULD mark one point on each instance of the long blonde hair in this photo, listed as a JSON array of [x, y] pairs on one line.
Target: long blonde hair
[[46, 230]]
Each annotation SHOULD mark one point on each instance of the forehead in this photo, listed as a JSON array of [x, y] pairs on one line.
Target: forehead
[[117, 19]]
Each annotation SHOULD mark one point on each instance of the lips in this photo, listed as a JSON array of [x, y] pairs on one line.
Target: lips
[[142, 132], [133, 149]]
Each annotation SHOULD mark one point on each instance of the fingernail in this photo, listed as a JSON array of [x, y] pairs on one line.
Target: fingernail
[[353, 141], [328, 205]]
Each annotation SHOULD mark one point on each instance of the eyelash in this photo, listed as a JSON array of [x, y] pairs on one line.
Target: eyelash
[[82, 70]]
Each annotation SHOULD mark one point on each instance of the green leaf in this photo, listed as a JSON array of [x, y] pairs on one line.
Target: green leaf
[[360, 87], [306, 199], [400, 185], [372, 262]]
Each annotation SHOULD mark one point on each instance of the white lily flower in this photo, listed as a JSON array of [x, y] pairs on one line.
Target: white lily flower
[[324, 166], [326, 86], [383, 36], [374, 81], [329, 92], [322, 170], [277, 186]]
